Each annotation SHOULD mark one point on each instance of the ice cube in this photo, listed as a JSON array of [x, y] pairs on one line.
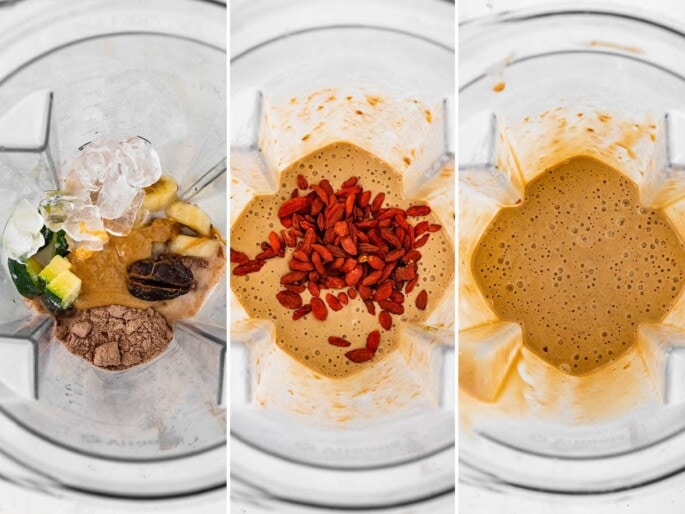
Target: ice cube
[[26, 217], [115, 196], [122, 226], [92, 165], [142, 166], [22, 235], [55, 209], [21, 245], [85, 226], [86, 247]]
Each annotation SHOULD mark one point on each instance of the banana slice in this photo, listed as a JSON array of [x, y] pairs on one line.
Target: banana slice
[[191, 216], [194, 246], [159, 195]]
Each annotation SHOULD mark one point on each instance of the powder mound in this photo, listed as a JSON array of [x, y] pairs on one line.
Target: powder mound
[[114, 337]]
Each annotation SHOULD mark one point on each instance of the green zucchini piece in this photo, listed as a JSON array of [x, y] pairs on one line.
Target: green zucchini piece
[[63, 290], [57, 265], [47, 235], [25, 277], [55, 244], [61, 243]]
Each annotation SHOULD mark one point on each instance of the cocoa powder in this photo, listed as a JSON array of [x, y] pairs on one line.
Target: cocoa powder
[[114, 337]]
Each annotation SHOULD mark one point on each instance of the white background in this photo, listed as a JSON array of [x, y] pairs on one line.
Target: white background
[[664, 499]]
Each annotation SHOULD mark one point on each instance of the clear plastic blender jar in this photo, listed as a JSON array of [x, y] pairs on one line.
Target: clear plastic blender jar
[[397, 445], [538, 87], [71, 74]]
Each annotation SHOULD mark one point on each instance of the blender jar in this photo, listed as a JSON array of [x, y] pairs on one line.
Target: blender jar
[[71, 74], [329, 444], [538, 87]]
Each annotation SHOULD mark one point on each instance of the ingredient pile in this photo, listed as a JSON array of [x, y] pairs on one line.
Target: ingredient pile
[[115, 256]]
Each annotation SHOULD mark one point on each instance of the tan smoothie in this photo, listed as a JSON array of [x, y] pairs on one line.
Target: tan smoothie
[[579, 264]]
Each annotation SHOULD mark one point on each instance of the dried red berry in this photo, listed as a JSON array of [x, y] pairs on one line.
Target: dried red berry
[[396, 296], [248, 267], [394, 255], [293, 276], [411, 255], [422, 241], [289, 299], [352, 181], [419, 210], [266, 254], [289, 238], [364, 199], [353, 276], [300, 266], [392, 307], [324, 252], [348, 245], [385, 320], [373, 340], [378, 202], [238, 257], [295, 288], [274, 241], [302, 311], [293, 205], [410, 285], [372, 278], [359, 355], [384, 291], [407, 272], [422, 300], [319, 309], [314, 289], [333, 302], [300, 256], [339, 341], [326, 186], [340, 228], [420, 228], [375, 262], [335, 282], [365, 292]]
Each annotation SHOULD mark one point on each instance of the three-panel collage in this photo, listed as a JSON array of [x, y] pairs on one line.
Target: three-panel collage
[[334, 256]]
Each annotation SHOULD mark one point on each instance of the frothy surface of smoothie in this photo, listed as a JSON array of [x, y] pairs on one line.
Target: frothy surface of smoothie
[[579, 264]]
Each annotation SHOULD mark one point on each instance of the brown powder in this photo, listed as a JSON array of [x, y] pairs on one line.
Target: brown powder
[[114, 337]]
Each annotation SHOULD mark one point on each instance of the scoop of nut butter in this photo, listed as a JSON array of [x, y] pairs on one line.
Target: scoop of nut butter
[[163, 278]]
